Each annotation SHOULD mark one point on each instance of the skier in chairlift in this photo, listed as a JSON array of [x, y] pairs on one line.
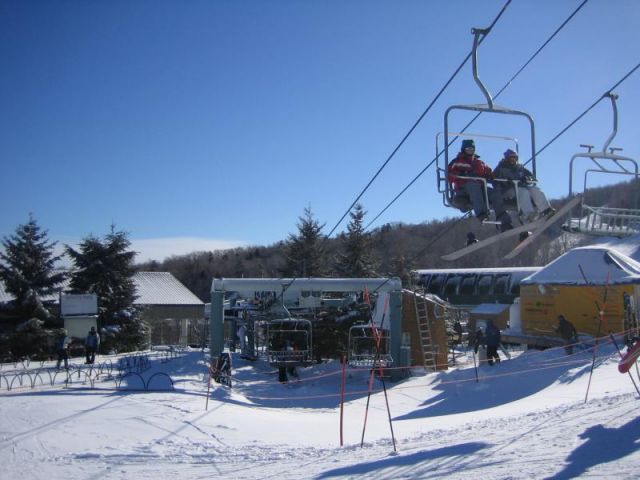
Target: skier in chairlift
[[468, 164], [533, 202]]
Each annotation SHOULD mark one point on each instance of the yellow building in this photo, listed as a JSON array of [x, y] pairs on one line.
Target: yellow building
[[585, 285]]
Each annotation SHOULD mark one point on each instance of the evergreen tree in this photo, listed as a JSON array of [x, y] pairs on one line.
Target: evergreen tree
[[304, 252], [401, 268], [355, 260], [105, 268], [27, 268]]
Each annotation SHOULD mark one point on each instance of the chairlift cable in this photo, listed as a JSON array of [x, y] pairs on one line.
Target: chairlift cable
[[586, 111], [416, 123], [520, 70]]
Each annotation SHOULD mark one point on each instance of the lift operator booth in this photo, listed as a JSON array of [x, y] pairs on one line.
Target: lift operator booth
[[249, 286]]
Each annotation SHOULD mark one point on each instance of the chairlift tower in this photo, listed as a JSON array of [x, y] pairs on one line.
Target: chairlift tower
[[297, 327]]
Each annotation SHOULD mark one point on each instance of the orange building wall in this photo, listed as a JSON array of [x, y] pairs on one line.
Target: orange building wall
[[539, 311]]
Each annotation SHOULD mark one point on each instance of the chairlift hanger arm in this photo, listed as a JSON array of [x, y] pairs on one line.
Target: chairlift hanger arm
[[478, 34], [613, 97]]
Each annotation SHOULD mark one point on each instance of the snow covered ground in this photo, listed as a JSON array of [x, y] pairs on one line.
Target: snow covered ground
[[525, 418]]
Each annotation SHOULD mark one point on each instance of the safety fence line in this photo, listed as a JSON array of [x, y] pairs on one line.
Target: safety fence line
[[24, 362], [165, 354], [130, 366], [400, 388], [580, 348]]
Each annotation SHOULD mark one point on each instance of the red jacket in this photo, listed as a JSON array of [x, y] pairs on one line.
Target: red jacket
[[467, 166]]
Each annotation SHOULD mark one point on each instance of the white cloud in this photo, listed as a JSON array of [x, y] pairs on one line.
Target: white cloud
[[161, 248]]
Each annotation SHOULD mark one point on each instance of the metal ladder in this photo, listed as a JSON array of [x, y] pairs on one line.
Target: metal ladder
[[426, 341]]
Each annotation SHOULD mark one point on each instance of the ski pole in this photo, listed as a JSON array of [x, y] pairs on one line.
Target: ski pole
[[378, 336], [600, 317], [206, 406], [366, 408], [344, 374], [386, 399], [384, 386], [603, 319], [475, 367]]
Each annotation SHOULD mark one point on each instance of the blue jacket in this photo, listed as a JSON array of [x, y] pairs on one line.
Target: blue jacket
[[92, 340]]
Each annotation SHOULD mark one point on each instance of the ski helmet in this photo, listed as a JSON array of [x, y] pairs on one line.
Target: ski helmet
[[467, 144]]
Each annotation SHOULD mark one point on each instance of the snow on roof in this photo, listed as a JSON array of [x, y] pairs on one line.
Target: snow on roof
[[600, 265], [629, 246], [152, 288], [162, 288]]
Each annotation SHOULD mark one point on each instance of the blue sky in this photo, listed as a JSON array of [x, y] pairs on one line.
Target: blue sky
[[207, 124]]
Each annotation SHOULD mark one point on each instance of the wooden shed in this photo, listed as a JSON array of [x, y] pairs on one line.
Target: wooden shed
[[424, 330], [169, 307], [498, 313], [580, 285]]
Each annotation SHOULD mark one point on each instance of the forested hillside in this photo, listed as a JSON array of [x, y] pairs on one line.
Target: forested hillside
[[395, 248]]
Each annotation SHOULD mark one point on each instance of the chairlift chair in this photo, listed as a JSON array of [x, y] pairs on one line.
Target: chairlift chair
[[289, 342], [602, 219], [450, 197], [461, 201], [364, 351]]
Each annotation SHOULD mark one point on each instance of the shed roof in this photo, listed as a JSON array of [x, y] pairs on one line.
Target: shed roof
[[152, 288], [594, 265], [629, 246], [162, 288]]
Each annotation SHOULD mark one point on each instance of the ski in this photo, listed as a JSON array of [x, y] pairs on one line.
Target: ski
[[493, 239], [546, 223]]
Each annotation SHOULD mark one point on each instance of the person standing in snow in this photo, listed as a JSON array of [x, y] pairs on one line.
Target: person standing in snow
[[91, 345], [62, 348], [568, 333], [242, 335], [492, 339], [476, 340]]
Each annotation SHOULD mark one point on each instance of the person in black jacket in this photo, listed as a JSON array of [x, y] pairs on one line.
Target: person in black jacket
[[568, 333], [492, 338], [476, 340]]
